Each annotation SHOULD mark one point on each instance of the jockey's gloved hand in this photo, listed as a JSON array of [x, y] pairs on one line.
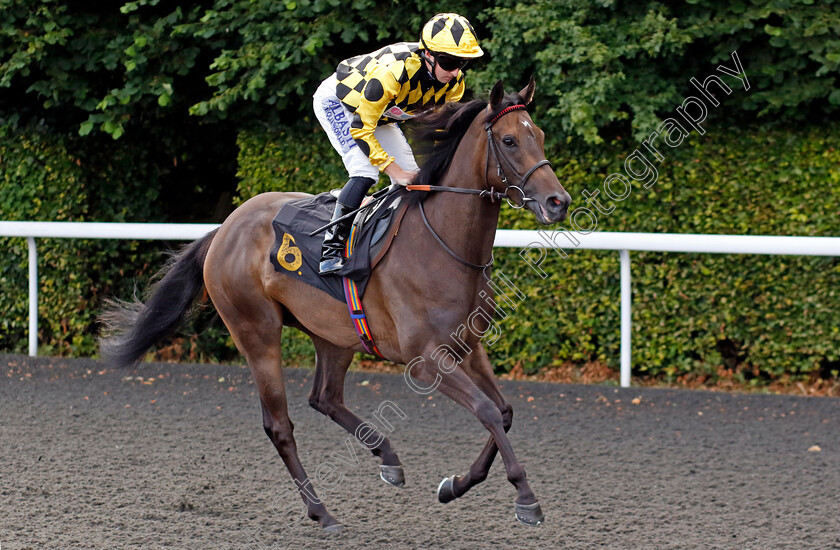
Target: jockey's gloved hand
[[400, 176]]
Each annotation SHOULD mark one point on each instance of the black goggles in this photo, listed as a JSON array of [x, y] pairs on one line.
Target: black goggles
[[449, 62]]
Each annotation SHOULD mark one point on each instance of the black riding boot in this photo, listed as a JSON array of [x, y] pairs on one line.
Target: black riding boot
[[332, 251]]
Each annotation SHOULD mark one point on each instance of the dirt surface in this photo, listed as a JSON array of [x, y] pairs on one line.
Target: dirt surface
[[174, 456]]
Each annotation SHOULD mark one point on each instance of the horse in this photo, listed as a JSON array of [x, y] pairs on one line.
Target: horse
[[417, 297]]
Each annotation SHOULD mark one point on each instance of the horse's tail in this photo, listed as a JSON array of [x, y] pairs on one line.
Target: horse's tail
[[133, 327]]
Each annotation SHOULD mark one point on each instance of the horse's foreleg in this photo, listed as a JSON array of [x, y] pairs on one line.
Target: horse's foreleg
[[327, 397], [480, 371], [460, 388], [257, 335]]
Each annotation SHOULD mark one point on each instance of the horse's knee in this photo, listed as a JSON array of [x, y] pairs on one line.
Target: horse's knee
[[489, 414], [280, 433], [507, 416]]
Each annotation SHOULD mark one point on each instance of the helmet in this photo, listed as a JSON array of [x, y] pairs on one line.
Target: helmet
[[452, 34]]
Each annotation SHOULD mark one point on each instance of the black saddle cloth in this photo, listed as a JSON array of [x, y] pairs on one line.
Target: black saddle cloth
[[296, 254]]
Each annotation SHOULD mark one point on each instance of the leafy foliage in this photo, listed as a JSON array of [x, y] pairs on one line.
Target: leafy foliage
[[44, 178], [112, 67], [760, 316], [91, 65], [602, 64], [599, 64], [296, 158]]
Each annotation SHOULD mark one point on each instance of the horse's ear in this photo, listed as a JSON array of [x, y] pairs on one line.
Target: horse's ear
[[527, 93], [496, 94]]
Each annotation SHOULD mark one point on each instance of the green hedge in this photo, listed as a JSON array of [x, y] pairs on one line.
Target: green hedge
[[297, 158], [40, 181], [762, 317], [698, 314], [48, 177]]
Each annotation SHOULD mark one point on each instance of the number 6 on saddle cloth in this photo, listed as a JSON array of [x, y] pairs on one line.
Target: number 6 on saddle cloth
[[297, 254]]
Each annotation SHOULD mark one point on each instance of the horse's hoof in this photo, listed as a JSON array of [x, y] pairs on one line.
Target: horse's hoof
[[334, 528], [395, 475], [529, 514], [446, 491]]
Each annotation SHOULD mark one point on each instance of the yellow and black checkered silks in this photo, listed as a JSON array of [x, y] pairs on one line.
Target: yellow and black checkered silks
[[389, 85], [452, 34]]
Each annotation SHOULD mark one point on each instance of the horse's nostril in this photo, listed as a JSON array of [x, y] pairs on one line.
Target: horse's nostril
[[558, 202]]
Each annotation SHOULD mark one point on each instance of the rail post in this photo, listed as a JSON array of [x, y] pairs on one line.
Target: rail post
[[626, 317], [33, 297]]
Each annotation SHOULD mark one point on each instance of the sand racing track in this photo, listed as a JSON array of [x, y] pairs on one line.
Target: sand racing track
[[174, 456]]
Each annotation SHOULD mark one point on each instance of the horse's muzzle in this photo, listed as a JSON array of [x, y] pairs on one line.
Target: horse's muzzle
[[551, 209]]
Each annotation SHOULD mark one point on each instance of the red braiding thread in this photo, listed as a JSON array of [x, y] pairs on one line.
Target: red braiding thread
[[503, 112]]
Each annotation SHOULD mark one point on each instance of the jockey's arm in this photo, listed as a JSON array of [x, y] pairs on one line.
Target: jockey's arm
[[381, 88]]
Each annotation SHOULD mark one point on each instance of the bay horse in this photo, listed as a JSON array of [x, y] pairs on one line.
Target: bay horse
[[416, 299]]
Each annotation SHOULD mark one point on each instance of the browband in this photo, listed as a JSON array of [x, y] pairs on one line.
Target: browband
[[503, 112]]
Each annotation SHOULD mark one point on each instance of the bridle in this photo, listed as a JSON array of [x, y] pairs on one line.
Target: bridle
[[494, 146], [488, 192]]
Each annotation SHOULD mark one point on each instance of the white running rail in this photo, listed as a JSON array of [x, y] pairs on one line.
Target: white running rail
[[88, 230], [525, 240]]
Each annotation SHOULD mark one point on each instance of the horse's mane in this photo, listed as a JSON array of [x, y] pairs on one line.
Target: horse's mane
[[439, 132]]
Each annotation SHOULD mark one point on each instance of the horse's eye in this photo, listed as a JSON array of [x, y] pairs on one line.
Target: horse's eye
[[509, 141]]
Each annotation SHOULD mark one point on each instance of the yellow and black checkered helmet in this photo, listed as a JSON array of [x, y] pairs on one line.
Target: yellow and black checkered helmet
[[452, 34]]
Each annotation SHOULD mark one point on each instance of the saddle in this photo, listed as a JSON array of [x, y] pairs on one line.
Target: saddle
[[296, 254]]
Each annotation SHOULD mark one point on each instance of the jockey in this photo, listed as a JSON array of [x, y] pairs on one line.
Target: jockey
[[359, 105]]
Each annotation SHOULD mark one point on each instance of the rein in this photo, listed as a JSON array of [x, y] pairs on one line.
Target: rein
[[449, 250], [490, 193]]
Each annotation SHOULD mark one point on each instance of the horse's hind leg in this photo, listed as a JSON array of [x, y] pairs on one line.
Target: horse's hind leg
[[480, 371], [327, 397], [255, 324]]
